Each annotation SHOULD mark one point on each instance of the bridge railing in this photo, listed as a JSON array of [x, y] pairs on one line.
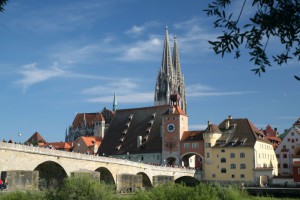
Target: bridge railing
[[74, 155]]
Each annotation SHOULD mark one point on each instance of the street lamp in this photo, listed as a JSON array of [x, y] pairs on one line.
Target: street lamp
[[20, 134]]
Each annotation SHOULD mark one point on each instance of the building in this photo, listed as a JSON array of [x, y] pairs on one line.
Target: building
[[87, 145], [272, 135], [135, 134], [284, 151], [63, 146], [170, 79], [90, 124], [296, 164], [36, 139], [236, 151]]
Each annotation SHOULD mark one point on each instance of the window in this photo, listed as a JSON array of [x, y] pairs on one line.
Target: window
[[223, 170], [214, 175], [232, 155], [174, 118], [292, 134], [223, 160], [195, 145], [285, 155], [242, 175], [232, 166], [207, 155], [293, 140], [243, 166], [293, 147], [242, 155], [223, 150], [232, 176], [284, 146], [186, 145], [296, 139], [285, 165], [277, 156], [207, 144], [289, 139], [278, 165]]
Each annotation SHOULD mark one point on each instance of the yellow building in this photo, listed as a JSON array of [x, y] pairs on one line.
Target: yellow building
[[236, 151]]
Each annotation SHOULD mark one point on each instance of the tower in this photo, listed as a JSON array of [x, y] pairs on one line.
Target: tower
[[174, 124], [170, 79]]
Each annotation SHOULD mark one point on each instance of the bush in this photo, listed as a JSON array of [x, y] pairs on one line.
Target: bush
[[22, 195], [81, 187]]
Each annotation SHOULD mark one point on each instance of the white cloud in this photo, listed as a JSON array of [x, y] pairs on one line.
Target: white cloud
[[33, 75], [142, 50], [200, 90], [139, 30]]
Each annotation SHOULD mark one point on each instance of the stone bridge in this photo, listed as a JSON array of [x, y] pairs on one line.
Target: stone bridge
[[55, 164]]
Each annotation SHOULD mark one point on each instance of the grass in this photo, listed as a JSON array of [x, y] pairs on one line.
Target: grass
[[85, 188]]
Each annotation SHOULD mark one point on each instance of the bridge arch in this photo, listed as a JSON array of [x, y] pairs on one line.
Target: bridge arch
[[187, 180], [192, 159], [106, 176], [145, 180], [50, 174]]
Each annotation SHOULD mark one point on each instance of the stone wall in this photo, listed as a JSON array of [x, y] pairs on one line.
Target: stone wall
[[21, 179], [128, 183]]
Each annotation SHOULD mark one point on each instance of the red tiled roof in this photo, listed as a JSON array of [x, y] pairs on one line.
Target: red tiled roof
[[91, 141], [59, 145]]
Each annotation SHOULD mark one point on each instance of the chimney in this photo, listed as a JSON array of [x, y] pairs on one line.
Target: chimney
[[229, 117]]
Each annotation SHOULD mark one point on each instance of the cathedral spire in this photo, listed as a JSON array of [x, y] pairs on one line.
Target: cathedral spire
[[169, 79], [115, 103], [166, 65]]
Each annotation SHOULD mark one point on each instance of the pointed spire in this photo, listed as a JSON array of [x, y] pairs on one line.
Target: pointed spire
[[166, 65], [176, 61], [115, 103]]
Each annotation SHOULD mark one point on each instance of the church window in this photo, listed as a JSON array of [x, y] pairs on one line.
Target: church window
[[223, 160], [223, 170]]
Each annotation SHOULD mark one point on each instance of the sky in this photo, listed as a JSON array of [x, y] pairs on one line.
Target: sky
[[59, 58]]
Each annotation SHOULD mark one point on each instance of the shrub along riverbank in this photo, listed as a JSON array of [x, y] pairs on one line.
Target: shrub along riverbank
[[85, 188]]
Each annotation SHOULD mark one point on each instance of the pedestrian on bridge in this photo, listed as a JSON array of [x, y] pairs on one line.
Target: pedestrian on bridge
[[1, 185]]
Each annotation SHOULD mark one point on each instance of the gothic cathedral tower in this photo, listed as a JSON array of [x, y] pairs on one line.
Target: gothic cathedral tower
[[170, 79]]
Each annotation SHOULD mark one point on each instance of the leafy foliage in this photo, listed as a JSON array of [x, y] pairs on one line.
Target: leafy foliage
[[272, 18], [2, 3]]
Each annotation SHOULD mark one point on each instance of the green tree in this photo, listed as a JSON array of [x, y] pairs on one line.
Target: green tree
[[2, 3], [278, 19]]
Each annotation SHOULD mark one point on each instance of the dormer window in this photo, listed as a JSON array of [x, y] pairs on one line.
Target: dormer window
[[153, 115], [148, 130], [127, 124], [151, 122], [122, 139], [130, 117], [125, 131], [118, 147]]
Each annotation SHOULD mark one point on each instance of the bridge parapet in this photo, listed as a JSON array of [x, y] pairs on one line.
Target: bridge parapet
[[102, 159]]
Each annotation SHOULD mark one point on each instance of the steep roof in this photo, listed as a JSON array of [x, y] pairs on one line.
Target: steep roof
[[36, 137], [212, 128], [91, 141], [192, 136], [237, 131], [130, 124]]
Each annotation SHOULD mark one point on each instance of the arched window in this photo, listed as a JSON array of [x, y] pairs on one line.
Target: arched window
[[223, 160], [242, 155]]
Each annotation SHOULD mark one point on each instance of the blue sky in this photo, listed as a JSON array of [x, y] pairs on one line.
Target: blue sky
[[59, 58]]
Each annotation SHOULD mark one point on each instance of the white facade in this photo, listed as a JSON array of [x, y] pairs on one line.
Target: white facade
[[284, 151]]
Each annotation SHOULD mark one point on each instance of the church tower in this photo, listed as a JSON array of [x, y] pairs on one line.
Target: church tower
[[170, 79]]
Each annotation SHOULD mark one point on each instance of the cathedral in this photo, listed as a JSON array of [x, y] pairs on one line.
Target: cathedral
[[170, 79]]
